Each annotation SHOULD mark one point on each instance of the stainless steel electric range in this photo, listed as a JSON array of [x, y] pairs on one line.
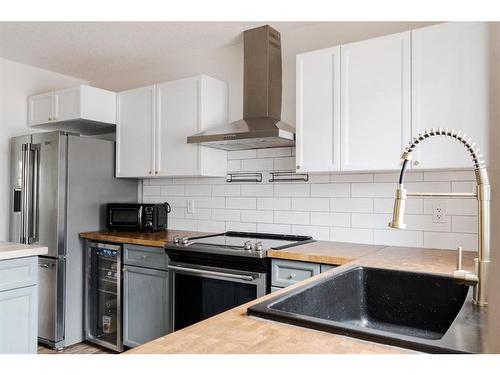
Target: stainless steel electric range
[[211, 274]]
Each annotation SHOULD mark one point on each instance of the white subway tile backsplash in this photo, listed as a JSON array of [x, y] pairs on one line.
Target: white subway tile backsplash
[[199, 214], [386, 205], [394, 177], [356, 235], [238, 226], [310, 204], [234, 165], [151, 190], [285, 164], [452, 206], [274, 203], [464, 224], [330, 190], [225, 214], [291, 190], [449, 176], [350, 207], [274, 152], [436, 240], [262, 190], [173, 190], [318, 233], [395, 237], [208, 202], [199, 190], [254, 165], [255, 216], [243, 154], [211, 226], [331, 219], [226, 190], [352, 177], [274, 228], [241, 202], [291, 217], [373, 190]]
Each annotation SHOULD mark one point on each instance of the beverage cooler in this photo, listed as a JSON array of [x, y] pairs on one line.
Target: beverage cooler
[[103, 295]]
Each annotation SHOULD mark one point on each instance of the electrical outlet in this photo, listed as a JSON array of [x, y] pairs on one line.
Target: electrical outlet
[[438, 213], [190, 206]]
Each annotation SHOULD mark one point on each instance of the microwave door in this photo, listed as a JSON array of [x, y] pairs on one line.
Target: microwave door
[[121, 217]]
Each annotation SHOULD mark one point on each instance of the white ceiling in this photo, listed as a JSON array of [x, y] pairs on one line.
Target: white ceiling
[[92, 49]]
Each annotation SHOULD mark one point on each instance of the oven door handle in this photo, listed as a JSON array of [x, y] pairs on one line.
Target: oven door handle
[[212, 273]]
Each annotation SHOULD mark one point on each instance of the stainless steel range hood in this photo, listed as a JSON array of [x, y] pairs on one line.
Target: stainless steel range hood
[[261, 126]]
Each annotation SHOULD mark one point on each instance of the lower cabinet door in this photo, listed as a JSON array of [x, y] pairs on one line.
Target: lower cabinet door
[[18, 321], [145, 305]]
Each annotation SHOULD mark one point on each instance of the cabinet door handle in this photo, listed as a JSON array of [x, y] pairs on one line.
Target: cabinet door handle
[[291, 276]]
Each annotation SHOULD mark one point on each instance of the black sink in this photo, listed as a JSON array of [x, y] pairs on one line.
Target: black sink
[[409, 309]]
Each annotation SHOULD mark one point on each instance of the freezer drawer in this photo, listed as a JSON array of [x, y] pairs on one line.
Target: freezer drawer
[[51, 273]]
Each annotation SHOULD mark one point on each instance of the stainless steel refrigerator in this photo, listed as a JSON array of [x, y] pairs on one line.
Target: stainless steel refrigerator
[[60, 184]]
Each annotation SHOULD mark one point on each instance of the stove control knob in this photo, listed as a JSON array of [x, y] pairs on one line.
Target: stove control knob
[[248, 245], [177, 240], [259, 247], [185, 240]]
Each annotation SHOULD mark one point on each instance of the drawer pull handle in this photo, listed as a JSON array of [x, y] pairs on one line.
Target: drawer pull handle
[[145, 257], [291, 276]]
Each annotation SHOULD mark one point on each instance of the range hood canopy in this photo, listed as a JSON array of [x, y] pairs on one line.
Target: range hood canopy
[[261, 126]]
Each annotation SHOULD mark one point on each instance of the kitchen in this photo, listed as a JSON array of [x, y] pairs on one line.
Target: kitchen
[[270, 187]]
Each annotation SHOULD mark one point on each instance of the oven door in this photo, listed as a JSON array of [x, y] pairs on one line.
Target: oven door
[[125, 217], [199, 292]]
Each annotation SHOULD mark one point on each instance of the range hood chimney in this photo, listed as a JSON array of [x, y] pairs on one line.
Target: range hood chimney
[[261, 126]]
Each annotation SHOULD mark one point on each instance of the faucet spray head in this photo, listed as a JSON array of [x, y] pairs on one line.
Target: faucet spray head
[[398, 213]]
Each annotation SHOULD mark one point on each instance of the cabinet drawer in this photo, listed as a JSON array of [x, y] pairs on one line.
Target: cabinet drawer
[[326, 267], [145, 256], [18, 273], [285, 272]]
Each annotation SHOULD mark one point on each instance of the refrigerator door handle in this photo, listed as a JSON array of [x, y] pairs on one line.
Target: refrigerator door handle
[[25, 187], [34, 236]]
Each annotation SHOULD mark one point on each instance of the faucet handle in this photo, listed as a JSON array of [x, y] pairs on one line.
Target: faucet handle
[[459, 258]]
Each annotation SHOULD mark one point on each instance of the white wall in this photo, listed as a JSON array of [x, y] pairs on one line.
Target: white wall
[[17, 82], [227, 63]]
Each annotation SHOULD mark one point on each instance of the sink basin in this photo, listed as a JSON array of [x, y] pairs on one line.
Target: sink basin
[[404, 308]]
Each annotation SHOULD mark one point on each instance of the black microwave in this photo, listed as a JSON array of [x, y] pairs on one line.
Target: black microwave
[[142, 217]]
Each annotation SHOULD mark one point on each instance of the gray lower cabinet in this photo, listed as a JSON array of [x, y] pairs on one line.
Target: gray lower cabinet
[[288, 272], [18, 306], [145, 305]]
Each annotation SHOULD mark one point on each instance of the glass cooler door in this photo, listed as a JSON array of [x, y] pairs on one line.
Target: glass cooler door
[[103, 295]]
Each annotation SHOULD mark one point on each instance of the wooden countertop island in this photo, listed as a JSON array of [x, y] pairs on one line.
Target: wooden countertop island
[[235, 332]]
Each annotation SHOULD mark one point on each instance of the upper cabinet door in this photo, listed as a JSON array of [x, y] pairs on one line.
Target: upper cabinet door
[[40, 109], [135, 132], [178, 118], [67, 104], [375, 97], [318, 110], [450, 90]]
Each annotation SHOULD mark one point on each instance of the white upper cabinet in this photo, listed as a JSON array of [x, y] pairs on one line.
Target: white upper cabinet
[[450, 90], [135, 132], [318, 110], [40, 108], [83, 109], [375, 102], [392, 88], [160, 118]]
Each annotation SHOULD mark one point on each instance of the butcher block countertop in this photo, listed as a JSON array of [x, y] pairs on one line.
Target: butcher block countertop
[[235, 332], [335, 253], [11, 250], [155, 239]]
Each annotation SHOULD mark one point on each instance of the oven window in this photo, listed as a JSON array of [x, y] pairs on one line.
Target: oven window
[[198, 298], [124, 216]]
